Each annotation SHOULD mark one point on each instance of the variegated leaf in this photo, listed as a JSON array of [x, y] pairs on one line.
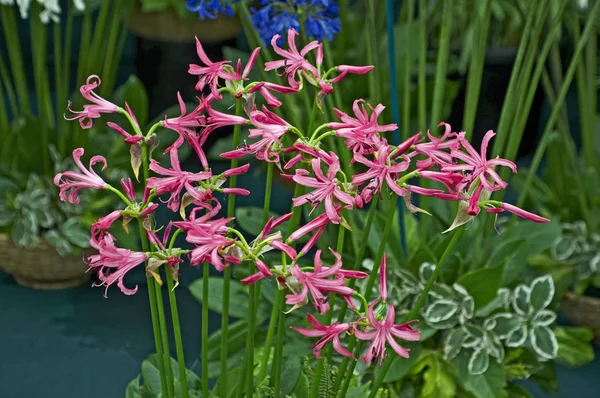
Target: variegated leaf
[[425, 271], [479, 361], [544, 318], [541, 292], [520, 301], [517, 337], [442, 292], [454, 342], [543, 341], [501, 299], [440, 311], [503, 324]]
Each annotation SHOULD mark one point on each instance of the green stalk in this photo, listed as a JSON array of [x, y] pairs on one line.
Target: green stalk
[[63, 93], [340, 42], [227, 272], [321, 363], [557, 74], [508, 108], [13, 45], [99, 37], [347, 373], [60, 85], [417, 307], [278, 357], [591, 67], [371, 39], [84, 47], [442, 64], [8, 87], [177, 334], [476, 65], [4, 132], [559, 101], [205, 298], [266, 354], [422, 65], [407, 73], [165, 339], [110, 68]]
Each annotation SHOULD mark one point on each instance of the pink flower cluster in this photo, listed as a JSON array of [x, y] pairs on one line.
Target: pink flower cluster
[[457, 172]]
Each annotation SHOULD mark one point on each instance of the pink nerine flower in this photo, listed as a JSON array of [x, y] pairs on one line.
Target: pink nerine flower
[[327, 334], [185, 126], [518, 211], [210, 72], [434, 148], [361, 133], [383, 278], [269, 128], [326, 188], [103, 224], [385, 331], [175, 180], [477, 164], [89, 112], [113, 263], [383, 168], [345, 69], [265, 88], [76, 181], [218, 119], [293, 61], [318, 282], [263, 272]]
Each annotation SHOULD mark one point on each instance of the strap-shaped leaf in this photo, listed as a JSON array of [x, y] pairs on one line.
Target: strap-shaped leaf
[[502, 324], [543, 341], [521, 301], [544, 318], [517, 337], [541, 293], [454, 342], [440, 310], [479, 362], [425, 271]]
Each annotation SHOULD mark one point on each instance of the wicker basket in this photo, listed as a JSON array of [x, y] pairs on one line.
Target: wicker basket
[[583, 311], [41, 267]]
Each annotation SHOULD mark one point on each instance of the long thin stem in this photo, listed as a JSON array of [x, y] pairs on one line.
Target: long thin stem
[[371, 39], [165, 338], [13, 44], [227, 272], [559, 102], [8, 87], [177, 334], [204, 343], [422, 65], [418, 305]]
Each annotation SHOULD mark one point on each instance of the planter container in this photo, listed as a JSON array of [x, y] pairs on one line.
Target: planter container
[[41, 267], [583, 311]]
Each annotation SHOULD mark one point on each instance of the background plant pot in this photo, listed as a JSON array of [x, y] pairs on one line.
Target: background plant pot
[[583, 311], [41, 267], [499, 63]]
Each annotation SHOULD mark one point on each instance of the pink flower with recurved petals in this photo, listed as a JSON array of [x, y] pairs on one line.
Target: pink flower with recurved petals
[[269, 128], [113, 263], [89, 112], [327, 188], [477, 164], [327, 334], [381, 331], [382, 169], [210, 73], [185, 126], [175, 180], [265, 88], [518, 211], [218, 119], [294, 61], [361, 133], [318, 282], [263, 272], [74, 181], [355, 70], [317, 223], [434, 149]]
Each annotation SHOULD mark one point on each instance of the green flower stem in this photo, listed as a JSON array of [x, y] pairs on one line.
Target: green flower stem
[[422, 110], [227, 271], [278, 355], [164, 337], [177, 333], [591, 69], [347, 374], [418, 305], [321, 363], [407, 74], [262, 371], [559, 102], [361, 251], [119, 194], [204, 343], [110, 67], [371, 41], [155, 322], [11, 33], [8, 87], [476, 66]]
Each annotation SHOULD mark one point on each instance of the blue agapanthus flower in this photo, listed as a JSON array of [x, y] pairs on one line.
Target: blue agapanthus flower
[[210, 8], [318, 18]]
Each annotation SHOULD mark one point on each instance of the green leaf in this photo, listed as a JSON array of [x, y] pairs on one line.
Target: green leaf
[[151, 375], [440, 311], [7, 186], [479, 361], [517, 391], [502, 324], [544, 318], [517, 337], [516, 245], [75, 233], [454, 342], [541, 292], [402, 366], [133, 389], [482, 284], [543, 342], [238, 297], [23, 234], [44, 217], [490, 384], [437, 381], [63, 247], [521, 301], [502, 298], [290, 373], [302, 389], [134, 93], [236, 340], [233, 380], [574, 348], [6, 216], [359, 392], [545, 378]]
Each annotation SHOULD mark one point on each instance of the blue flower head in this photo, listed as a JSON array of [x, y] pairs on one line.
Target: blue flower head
[[318, 18], [210, 8]]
